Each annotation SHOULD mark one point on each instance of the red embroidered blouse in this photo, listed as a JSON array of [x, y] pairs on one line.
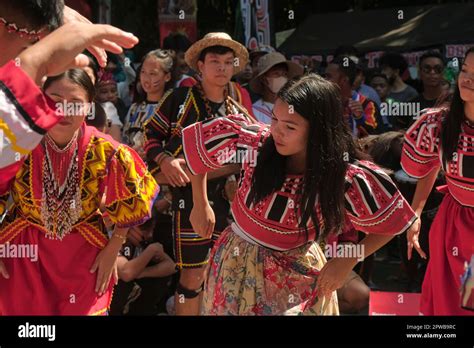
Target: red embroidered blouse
[[422, 153], [373, 203]]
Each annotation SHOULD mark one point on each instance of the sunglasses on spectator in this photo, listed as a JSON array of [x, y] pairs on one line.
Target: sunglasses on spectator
[[438, 69]]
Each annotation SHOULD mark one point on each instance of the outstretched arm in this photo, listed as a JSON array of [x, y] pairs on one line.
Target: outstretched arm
[[130, 270], [165, 266]]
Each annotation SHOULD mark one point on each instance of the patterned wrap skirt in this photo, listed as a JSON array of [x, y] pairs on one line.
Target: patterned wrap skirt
[[248, 279]]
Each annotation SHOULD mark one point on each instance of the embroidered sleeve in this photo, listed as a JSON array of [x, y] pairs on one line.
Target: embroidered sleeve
[[420, 149], [210, 144], [373, 202], [131, 189], [26, 114]]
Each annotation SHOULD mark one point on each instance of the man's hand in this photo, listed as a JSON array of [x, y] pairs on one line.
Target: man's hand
[[356, 108], [61, 50], [157, 250], [174, 173]]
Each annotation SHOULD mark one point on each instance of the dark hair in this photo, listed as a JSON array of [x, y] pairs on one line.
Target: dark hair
[[394, 61], [220, 50], [431, 54], [94, 67], [451, 125], [76, 76], [99, 120], [346, 50], [118, 72], [167, 59], [347, 66], [176, 42], [139, 94], [386, 149], [378, 74], [38, 13], [149, 224], [319, 102]]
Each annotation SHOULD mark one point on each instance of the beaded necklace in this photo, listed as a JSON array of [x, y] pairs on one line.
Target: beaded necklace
[[22, 32], [228, 106], [61, 204]]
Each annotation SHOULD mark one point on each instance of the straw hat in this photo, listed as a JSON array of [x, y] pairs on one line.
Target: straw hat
[[267, 62], [216, 39]]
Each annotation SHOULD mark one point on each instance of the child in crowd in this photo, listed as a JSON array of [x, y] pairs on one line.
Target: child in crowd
[[156, 76], [106, 95], [144, 270]]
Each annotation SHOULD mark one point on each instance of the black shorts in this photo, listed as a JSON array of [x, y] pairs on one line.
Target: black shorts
[[190, 250]]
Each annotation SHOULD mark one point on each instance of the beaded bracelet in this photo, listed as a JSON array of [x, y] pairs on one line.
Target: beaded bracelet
[[123, 238], [160, 158]]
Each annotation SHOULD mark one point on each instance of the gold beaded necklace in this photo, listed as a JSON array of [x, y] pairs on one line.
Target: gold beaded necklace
[[228, 106], [61, 204]]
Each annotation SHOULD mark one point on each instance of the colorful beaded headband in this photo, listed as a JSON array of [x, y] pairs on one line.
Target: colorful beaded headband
[[23, 32]]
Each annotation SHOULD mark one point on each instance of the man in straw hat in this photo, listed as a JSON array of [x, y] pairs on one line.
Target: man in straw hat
[[236, 91], [273, 72], [216, 58]]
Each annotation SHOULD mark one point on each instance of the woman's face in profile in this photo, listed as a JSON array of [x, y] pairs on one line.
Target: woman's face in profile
[[289, 129]]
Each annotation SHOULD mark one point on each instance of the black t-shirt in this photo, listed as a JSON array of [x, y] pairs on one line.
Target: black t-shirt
[[424, 103], [405, 121], [214, 106]]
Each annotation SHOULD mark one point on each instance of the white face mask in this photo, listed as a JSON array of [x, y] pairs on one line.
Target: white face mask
[[276, 83]]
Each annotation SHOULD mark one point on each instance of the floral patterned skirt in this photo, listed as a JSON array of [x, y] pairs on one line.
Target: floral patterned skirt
[[248, 279]]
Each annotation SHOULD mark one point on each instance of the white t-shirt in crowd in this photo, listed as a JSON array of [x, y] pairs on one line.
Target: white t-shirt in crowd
[[263, 111], [112, 114]]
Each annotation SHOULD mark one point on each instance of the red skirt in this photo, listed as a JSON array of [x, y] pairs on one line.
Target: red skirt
[[451, 245], [59, 282]]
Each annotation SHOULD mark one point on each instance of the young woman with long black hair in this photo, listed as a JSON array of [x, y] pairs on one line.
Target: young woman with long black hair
[[443, 138], [308, 177]]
